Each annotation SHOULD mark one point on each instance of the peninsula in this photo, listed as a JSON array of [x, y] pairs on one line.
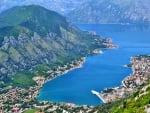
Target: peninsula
[[39, 47], [140, 76]]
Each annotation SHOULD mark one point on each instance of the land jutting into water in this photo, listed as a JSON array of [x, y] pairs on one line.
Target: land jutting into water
[[19, 99], [141, 73], [16, 99]]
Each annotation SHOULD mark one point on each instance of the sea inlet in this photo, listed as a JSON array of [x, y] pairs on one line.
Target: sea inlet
[[99, 71]]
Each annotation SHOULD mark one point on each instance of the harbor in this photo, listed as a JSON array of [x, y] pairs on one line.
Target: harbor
[[130, 84], [98, 95]]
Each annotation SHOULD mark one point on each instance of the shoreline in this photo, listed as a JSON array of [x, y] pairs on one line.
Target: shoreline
[[54, 74], [98, 95], [79, 65], [140, 74], [31, 94]]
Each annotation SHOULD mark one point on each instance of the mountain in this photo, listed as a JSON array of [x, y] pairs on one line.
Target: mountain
[[61, 6], [31, 36], [112, 11], [97, 11]]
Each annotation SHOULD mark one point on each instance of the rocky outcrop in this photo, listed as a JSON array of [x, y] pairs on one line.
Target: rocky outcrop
[[112, 12], [45, 39]]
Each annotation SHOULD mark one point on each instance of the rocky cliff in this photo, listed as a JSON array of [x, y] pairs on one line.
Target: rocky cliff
[[112, 11], [33, 35]]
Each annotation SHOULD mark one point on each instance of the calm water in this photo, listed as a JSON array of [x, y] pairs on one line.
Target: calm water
[[99, 71]]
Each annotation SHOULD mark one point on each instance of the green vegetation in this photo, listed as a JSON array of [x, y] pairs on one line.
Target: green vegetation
[[23, 79], [30, 111], [30, 19], [14, 54], [3, 56], [136, 103], [13, 31], [38, 39], [40, 70]]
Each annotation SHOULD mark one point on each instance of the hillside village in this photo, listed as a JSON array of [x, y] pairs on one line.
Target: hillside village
[[16, 99]]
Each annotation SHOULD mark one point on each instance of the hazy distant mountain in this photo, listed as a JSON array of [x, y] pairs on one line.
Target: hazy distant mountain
[[112, 11], [61, 6], [92, 11]]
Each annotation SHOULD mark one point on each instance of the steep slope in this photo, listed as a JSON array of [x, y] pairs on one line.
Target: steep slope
[[33, 18], [139, 102], [61, 6], [112, 11], [33, 35]]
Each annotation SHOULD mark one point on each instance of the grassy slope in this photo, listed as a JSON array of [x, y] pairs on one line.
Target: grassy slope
[[28, 22], [30, 111], [23, 79], [131, 105], [128, 105], [69, 44]]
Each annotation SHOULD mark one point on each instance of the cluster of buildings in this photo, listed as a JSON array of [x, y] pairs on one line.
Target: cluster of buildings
[[14, 98], [64, 69], [17, 100], [141, 73]]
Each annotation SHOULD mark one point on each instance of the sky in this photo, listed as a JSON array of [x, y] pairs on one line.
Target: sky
[[57, 5]]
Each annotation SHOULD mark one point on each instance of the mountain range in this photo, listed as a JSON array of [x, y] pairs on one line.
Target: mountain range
[[93, 12], [111, 12], [60, 6], [32, 35]]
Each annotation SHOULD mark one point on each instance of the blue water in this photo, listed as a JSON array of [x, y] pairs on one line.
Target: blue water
[[99, 71]]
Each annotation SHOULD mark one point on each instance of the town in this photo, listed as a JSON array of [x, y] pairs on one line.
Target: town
[[141, 73], [18, 100]]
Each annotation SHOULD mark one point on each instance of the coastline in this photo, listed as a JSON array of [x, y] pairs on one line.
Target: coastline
[[98, 95], [140, 74], [54, 74], [73, 67], [30, 95], [78, 64]]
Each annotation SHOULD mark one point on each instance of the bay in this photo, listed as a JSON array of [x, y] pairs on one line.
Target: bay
[[99, 71]]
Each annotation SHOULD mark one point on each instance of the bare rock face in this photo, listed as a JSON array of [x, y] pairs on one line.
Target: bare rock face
[[112, 11], [39, 36]]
